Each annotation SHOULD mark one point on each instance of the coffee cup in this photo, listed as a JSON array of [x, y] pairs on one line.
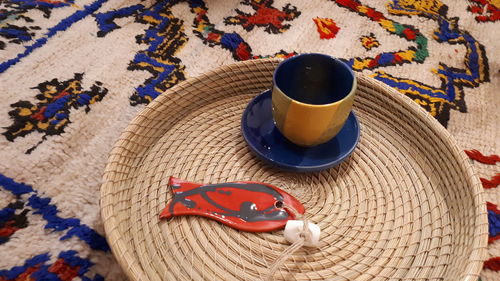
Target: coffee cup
[[312, 97]]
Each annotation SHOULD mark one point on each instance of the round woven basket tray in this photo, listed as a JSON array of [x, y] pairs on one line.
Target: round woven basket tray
[[406, 205]]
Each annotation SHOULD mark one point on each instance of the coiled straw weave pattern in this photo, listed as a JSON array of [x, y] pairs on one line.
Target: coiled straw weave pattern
[[405, 206]]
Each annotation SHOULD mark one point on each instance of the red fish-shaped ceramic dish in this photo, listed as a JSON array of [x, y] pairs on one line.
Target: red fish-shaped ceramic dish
[[244, 205]]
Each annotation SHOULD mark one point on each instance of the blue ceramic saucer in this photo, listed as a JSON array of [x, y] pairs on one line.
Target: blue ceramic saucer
[[264, 139]]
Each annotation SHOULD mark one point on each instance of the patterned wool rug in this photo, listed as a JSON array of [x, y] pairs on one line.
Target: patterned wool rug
[[74, 73]]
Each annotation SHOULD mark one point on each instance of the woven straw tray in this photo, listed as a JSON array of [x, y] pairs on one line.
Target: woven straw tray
[[406, 205]]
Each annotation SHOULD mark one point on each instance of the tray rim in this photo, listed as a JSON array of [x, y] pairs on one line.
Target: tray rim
[[134, 271]]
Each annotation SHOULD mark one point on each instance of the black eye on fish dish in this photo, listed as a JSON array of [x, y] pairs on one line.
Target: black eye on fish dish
[[278, 204]]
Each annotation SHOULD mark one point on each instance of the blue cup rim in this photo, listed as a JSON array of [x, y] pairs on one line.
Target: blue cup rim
[[343, 64]]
